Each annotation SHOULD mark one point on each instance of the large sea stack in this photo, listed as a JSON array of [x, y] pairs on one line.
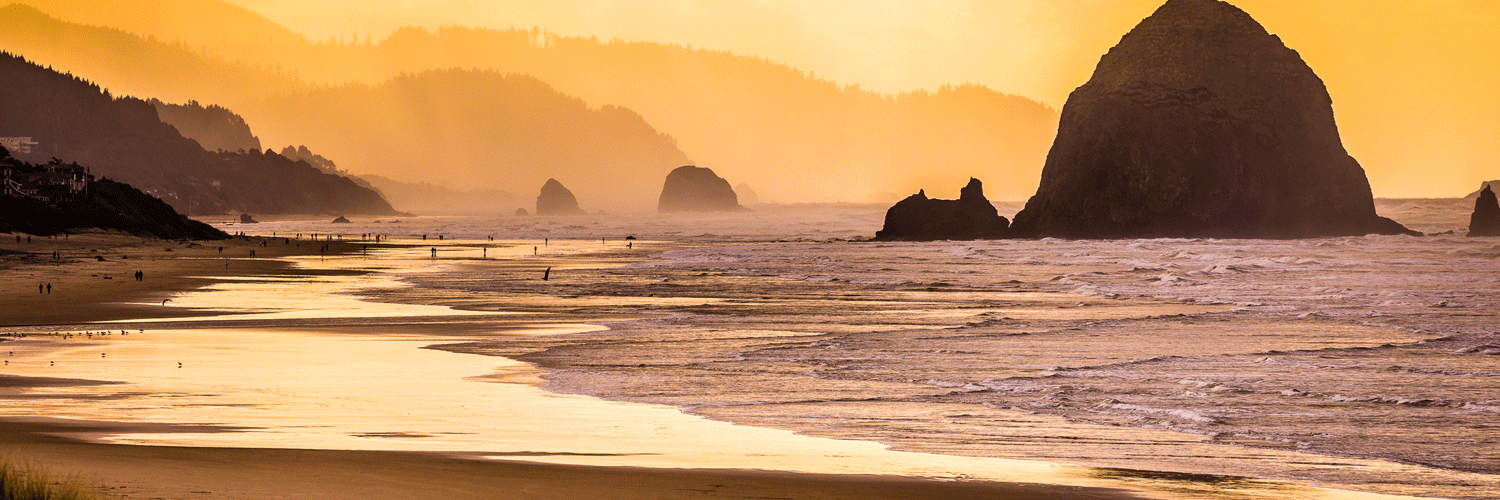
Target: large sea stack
[[694, 189], [1199, 123], [1486, 218], [557, 200], [919, 218]]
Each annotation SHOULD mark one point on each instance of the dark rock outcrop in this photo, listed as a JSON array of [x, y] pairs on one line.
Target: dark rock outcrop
[[1199, 123], [970, 217], [1486, 218], [521, 212], [341, 220], [557, 200], [694, 189], [248, 219]]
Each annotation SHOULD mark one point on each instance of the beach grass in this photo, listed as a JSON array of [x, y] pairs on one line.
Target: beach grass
[[27, 482]]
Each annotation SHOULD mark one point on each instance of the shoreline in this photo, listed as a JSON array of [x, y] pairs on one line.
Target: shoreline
[[131, 466]]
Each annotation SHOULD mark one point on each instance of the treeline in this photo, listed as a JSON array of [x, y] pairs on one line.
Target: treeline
[[214, 127], [123, 138]]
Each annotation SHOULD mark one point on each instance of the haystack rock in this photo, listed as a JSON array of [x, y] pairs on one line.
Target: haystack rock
[[1486, 218], [341, 220], [693, 189], [1199, 123], [247, 219], [521, 212], [970, 217], [557, 200]]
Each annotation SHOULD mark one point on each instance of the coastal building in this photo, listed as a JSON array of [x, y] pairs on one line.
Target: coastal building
[[17, 144], [49, 183]]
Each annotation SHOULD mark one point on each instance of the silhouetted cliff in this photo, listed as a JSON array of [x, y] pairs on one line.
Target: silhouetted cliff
[[123, 138], [1201, 124]]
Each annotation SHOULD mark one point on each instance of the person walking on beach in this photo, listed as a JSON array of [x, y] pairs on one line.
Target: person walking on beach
[[39, 287], [434, 252], [49, 289]]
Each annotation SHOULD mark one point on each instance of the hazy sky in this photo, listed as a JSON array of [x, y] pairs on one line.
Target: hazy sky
[[1413, 80]]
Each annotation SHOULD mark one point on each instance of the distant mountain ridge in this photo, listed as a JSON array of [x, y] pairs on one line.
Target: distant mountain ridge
[[123, 138], [399, 128], [748, 118]]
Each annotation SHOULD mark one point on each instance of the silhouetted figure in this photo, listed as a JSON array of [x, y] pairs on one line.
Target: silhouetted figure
[[546, 275], [545, 242], [533, 250], [424, 237], [434, 252], [49, 289], [39, 288], [630, 244]]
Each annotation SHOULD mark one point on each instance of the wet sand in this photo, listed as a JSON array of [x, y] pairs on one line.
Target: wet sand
[[81, 294], [134, 471], [124, 471]]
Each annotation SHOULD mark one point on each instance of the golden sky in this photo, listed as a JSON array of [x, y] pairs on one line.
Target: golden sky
[[1414, 81]]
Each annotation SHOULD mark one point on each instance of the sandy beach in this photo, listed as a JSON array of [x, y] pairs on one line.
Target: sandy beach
[[86, 289], [354, 329]]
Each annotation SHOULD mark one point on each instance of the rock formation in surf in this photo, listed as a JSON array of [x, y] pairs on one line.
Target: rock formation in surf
[[694, 189], [248, 219], [341, 220], [1199, 123], [970, 217], [557, 200], [521, 212], [1486, 218]]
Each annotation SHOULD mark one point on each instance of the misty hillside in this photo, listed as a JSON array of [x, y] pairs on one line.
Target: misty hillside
[[480, 129], [214, 127], [123, 139], [471, 128], [133, 65], [750, 119]]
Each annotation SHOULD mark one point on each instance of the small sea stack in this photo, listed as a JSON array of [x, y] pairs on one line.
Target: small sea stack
[[557, 200], [341, 220], [247, 219], [521, 212], [1199, 123], [970, 217], [1486, 218], [695, 189]]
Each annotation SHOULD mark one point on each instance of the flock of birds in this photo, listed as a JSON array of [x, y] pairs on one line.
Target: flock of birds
[[71, 335]]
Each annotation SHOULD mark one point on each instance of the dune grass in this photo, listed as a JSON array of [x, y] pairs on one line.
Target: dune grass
[[27, 482]]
